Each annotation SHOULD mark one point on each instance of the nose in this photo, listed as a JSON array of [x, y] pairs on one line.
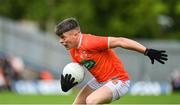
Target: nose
[[61, 40]]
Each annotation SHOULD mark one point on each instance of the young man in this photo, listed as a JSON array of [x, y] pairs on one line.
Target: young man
[[111, 81]]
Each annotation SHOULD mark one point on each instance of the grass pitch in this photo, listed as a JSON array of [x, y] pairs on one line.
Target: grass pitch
[[13, 98]]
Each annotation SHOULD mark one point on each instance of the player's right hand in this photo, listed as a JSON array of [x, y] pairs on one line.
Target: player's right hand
[[67, 82], [159, 55]]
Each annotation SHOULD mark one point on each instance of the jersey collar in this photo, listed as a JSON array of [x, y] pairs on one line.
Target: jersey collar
[[80, 41]]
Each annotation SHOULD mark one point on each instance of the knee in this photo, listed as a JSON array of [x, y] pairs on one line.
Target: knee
[[90, 100]]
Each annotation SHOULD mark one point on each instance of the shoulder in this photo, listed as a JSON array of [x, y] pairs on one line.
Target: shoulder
[[87, 35], [93, 42], [92, 37]]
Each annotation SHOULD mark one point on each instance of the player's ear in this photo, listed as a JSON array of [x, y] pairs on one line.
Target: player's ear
[[77, 33]]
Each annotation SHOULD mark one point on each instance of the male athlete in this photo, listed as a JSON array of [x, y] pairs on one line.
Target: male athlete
[[111, 81]]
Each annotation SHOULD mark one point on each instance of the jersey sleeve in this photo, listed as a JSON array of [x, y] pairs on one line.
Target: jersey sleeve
[[98, 43]]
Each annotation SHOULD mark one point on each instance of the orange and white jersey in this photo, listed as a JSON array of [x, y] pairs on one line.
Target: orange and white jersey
[[108, 65]]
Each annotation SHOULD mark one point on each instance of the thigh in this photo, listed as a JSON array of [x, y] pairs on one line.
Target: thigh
[[109, 92], [82, 95], [103, 95]]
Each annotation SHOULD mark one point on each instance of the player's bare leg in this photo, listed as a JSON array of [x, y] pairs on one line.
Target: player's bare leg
[[102, 95], [82, 95]]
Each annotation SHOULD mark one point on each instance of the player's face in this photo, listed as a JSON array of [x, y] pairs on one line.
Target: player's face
[[70, 39]]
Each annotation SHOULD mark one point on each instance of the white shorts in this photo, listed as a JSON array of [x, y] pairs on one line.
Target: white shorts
[[119, 88]]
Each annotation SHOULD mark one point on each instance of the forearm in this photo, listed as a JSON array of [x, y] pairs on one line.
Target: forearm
[[153, 54], [133, 45]]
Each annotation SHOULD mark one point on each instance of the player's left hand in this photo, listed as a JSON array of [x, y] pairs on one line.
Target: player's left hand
[[159, 55], [67, 82]]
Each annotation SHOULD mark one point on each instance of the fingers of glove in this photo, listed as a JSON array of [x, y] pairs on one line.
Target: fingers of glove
[[162, 51], [152, 60], [72, 80], [75, 83], [69, 77], [66, 78], [160, 61], [62, 77], [63, 81], [164, 58], [164, 55], [63, 84]]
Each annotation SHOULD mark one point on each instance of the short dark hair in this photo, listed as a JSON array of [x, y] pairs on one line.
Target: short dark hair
[[66, 25]]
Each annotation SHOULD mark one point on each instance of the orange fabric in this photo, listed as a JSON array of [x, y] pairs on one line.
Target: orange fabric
[[108, 65]]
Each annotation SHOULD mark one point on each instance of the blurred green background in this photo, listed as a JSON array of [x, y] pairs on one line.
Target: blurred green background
[[153, 19]]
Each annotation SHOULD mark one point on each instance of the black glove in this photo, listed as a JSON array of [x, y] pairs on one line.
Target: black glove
[[67, 82], [158, 55], [88, 63]]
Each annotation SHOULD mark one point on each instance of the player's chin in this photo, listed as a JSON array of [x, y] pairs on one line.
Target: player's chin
[[67, 47]]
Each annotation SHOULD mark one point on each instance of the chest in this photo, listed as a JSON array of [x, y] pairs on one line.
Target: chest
[[83, 55]]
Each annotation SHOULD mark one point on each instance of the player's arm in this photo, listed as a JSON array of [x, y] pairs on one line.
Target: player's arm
[[126, 43]]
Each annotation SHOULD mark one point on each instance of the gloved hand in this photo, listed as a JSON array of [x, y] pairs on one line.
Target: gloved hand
[[88, 63], [67, 82], [159, 55]]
